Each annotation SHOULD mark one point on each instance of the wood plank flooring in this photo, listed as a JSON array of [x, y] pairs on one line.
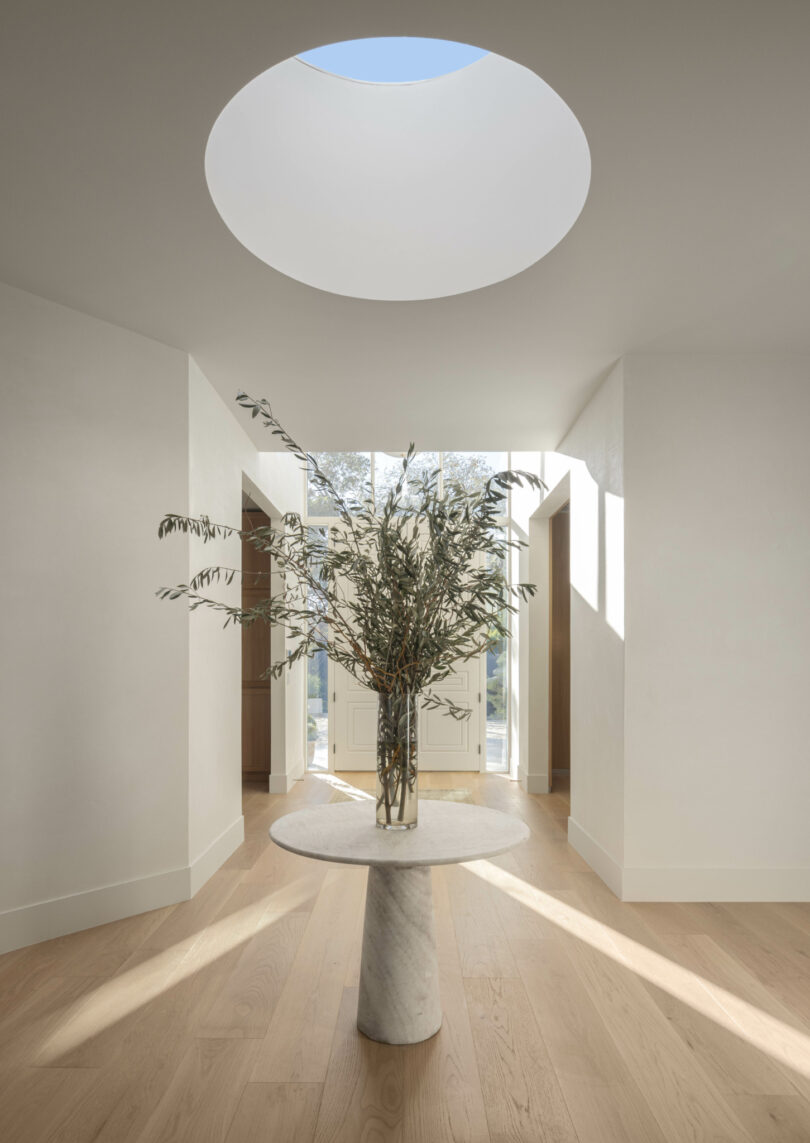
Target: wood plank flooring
[[569, 1017]]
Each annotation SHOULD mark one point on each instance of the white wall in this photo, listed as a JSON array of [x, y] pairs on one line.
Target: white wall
[[595, 446], [120, 715], [217, 450], [94, 692], [717, 479], [220, 456], [689, 717]]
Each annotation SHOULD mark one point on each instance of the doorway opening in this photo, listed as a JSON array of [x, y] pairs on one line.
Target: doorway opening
[[256, 717], [341, 714], [559, 714]]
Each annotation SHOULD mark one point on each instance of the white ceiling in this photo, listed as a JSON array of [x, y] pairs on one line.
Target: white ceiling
[[398, 191], [695, 234]]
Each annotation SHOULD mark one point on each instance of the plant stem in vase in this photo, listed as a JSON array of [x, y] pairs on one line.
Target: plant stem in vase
[[397, 769]]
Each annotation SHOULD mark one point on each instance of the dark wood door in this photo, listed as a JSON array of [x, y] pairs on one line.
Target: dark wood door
[[559, 754], [255, 658]]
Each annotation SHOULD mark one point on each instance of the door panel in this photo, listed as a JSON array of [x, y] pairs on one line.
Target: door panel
[[444, 743], [353, 717], [256, 731]]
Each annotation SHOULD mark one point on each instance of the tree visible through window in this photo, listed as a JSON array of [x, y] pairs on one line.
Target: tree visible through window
[[318, 688], [350, 473], [497, 696], [357, 475], [388, 469]]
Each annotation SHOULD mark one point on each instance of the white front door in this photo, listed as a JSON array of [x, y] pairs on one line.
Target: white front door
[[444, 743], [352, 720]]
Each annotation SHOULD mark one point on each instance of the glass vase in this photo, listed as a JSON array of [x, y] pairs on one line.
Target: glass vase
[[397, 770]]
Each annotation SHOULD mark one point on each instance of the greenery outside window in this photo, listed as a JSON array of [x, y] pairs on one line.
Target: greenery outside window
[[358, 476], [318, 689]]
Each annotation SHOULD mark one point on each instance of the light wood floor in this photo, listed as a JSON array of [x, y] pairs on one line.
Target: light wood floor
[[568, 1015]]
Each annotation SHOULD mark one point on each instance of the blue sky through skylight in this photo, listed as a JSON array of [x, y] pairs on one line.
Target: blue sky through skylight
[[392, 59]]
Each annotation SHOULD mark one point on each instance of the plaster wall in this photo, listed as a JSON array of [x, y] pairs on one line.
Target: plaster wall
[[93, 733], [221, 459], [120, 724], [717, 477], [594, 450]]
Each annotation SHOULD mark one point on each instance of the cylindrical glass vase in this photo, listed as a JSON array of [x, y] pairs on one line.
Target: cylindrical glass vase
[[397, 770]]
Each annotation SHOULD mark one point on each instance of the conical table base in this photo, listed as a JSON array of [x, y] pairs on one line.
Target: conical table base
[[399, 974]]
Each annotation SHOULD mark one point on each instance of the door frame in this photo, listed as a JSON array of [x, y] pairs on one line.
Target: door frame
[[534, 690], [555, 539], [287, 731]]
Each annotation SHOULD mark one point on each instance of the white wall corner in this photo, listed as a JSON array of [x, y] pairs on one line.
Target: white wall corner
[[215, 855], [598, 858], [282, 783], [534, 783]]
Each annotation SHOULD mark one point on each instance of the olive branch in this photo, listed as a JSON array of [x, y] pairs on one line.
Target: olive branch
[[400, 593]]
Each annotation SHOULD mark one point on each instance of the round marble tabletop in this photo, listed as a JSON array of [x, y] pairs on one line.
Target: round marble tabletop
[[448, 832]]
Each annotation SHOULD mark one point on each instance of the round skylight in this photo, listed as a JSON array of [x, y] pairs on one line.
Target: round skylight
[[398, 189], [392, 59]]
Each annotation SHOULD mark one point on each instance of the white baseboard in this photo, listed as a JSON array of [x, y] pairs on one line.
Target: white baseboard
[[662, 884], [534, 783], [45, 920], [217, 853], [716, 884], [283, 783], [598, 858]]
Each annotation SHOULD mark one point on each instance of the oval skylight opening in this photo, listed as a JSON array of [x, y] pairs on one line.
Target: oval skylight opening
[[397, 190], [392, 59]]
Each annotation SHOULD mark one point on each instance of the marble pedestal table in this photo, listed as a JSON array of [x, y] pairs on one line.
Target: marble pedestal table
[[399, 975]]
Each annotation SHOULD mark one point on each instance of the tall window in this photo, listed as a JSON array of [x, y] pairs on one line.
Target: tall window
[[362, 475], [388, 470], [350, 473], [473, 469], [318, 685], [497, 690]]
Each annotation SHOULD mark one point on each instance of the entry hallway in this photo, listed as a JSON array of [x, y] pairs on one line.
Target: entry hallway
[[568, 1015]]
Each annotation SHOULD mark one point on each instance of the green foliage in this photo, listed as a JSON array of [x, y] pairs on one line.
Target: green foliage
[[315, 684], [400, 595], [496, 683], [346, 471], [387, 471], [469, 469]]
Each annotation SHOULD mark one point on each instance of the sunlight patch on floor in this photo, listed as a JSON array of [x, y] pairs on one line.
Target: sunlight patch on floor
[[353, 792], [764, 1032], [136, 987]]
